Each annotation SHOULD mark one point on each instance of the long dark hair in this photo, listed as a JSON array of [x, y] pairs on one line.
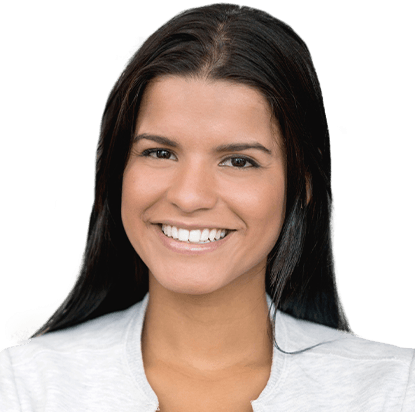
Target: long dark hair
[[245, 46]]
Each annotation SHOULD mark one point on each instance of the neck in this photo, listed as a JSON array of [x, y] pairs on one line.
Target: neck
[[228, 329]]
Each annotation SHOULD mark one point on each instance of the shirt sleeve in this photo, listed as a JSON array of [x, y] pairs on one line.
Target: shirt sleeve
[[409, 402], [9, 399]]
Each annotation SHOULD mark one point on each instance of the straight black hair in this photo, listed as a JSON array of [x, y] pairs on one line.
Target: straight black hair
[[245, 46]]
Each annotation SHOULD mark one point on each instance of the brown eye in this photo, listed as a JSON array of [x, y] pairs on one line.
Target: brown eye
[[240, 162], [237, 162], [159, 154]]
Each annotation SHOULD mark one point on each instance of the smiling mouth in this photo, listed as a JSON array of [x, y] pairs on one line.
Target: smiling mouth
[[203, 237]]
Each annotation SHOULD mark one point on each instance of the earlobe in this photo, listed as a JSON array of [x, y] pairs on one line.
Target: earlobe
[[308, 188]]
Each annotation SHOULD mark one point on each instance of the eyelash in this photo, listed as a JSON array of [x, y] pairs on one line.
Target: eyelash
[[148, 152]]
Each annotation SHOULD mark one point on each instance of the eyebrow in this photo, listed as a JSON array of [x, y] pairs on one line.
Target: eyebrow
[[231, 147]]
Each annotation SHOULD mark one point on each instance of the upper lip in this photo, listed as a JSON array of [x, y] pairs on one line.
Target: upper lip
[[192, 226]]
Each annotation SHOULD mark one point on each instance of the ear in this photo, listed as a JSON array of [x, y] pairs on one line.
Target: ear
[[308, 188]]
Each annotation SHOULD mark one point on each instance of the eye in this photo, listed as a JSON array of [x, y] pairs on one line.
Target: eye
[[162, 152], [237, 162], [241, 161]]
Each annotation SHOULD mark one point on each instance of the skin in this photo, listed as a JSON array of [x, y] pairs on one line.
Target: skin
[[207, 324]]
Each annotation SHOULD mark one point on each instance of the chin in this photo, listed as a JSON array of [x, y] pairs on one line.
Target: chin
[[190, 284]]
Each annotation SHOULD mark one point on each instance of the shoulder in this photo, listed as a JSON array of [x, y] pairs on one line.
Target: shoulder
[[346, 366], [102, 333], [67, 363], [353, 361], [302, 334]]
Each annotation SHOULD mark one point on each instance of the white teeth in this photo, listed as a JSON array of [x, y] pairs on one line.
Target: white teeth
[[183, 235], [174, 232], [212, 235], [193, 236], [205, 235]]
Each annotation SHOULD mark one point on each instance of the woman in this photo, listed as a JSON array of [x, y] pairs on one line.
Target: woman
[[212, 209]]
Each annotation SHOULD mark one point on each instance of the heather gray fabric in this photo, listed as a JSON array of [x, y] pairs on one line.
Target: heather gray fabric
[[97, 367]]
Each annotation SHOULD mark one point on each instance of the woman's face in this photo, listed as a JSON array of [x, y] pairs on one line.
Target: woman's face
[[206, 156]]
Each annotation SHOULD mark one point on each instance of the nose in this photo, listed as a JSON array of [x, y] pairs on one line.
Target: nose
[[192, 187]]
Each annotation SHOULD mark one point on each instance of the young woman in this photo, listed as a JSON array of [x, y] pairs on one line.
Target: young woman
[[212, 210]]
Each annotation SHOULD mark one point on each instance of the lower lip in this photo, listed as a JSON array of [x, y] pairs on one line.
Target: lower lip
[[190, 248]]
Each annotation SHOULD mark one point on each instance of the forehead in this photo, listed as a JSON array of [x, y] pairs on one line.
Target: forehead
[[206, 110]]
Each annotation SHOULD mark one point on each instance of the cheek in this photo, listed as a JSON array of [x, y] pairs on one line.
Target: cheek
[[262, 207], [129, 198], [261, 202], [139, 192]]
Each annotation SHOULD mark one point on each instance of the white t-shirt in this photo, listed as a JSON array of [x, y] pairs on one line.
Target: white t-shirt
[[98, 366]]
